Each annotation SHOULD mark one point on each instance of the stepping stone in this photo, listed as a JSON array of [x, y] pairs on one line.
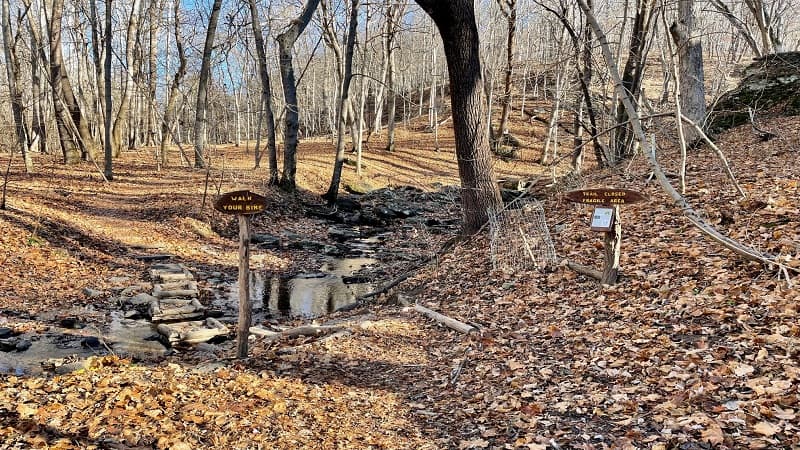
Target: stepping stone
[[158, 257], [170, 272], [171, 309], [192, 332], [185, 288]]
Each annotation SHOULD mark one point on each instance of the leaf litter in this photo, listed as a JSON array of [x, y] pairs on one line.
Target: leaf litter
[[693, 348]]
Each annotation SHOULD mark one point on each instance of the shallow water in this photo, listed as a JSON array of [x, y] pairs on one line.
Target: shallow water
[[304, 295]]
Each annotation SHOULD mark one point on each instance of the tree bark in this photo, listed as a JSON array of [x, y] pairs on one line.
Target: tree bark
[[76, 141], [455, 20], [509, 10], [394, 12], [108, 147], [690, 60], [200, 123], [632, 76], [266, 94], [13, 73], [167, 124], [333, 189], [123, 113], [286, 41]]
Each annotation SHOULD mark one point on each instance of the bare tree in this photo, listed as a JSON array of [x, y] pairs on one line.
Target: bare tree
[[201, 107], [266, 95], [333, 189], [690, 60], [393, 13], [455, 20], [632, 76], [108, 147], [73, 129], [123, 113], [286, 42], [167, 124], [13, 74], [509, 10]]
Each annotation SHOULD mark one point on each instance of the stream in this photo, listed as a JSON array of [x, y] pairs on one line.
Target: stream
[[348, 264]]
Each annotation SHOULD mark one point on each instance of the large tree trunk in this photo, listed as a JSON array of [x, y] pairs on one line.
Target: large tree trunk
[[266, 94], [107, 144], [286, 41], [509, 10], [38, 128], [76, 141], [632, 77], [154, 13], [333, 189], [200, 123], [394, 12], [480, 194], [123, 113], [690, 60], [167, 125], [13, 73]]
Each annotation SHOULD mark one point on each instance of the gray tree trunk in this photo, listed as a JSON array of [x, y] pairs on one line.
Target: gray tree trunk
[[690, 60], [200, 123], [123, 113], [108, 148], [167, 125], [509, 10], [13, 73], [76, 141], [286, 41], [333, 189], [266, 95]]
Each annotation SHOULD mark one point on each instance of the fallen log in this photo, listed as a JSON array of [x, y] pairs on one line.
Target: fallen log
[[444, 320], [305, 330], [585, 270]]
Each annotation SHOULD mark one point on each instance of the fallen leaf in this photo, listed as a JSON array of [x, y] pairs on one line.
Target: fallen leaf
[[712, 433], [765, 428]]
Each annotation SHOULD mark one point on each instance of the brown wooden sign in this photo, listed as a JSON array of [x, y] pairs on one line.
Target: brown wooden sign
[[605, 196], [240, 202]]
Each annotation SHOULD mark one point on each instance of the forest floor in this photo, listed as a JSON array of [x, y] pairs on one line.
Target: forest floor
[[694, 348]]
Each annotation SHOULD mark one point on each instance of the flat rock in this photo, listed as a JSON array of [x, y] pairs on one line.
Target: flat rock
[[193, 332], [92, 293], [8, 344], [184, 288], [156, 257], [170, 272], [141, 299], [23, 344], [71, 367], [5, 332], [265, 240], [166, 309], [118, 280]]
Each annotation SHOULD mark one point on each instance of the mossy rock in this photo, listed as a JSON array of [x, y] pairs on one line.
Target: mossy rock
[[359, 187], [770, 87]]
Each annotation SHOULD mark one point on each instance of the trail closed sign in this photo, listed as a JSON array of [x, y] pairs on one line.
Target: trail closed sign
[[605, 196], [606, 218], [240, 202]]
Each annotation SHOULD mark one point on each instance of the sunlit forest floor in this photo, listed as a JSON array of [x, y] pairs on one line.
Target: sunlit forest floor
[[693, 348]]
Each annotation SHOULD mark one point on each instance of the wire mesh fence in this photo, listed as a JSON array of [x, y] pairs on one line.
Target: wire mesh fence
[[520, 237]]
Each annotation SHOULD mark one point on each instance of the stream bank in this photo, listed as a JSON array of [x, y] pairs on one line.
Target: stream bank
[[365, 241]]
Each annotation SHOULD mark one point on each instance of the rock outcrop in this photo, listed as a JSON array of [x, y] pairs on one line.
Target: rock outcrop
[[770, 87]]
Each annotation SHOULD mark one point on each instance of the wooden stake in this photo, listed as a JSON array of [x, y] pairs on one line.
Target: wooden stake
[[611, 242], [245, 310]]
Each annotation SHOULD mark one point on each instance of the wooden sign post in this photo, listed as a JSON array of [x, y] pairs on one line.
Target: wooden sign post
[[605, 218], [244, 204]]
